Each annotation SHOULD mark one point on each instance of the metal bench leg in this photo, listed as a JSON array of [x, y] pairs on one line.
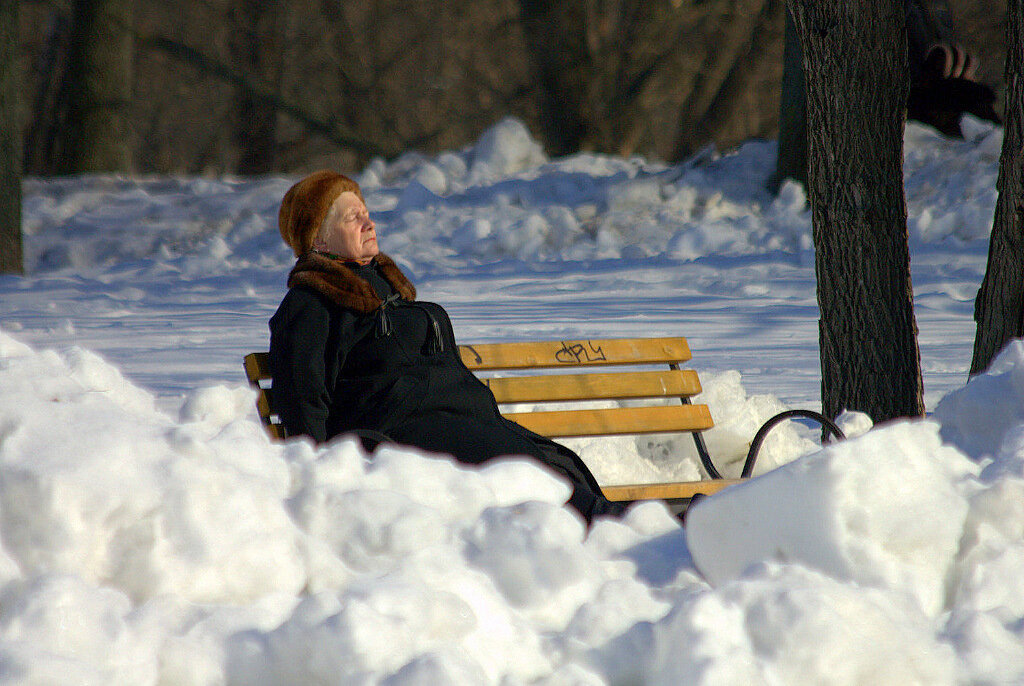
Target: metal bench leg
[[698, 440]]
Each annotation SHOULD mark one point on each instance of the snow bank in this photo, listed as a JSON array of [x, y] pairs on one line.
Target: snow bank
[[886, 509], [502, 198], [202, 516], [140, 548], [985, 419], [130, 533], [916, 533], [787, 624]]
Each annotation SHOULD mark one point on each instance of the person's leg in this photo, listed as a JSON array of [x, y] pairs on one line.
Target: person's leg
[[370, 438], [473, 442]]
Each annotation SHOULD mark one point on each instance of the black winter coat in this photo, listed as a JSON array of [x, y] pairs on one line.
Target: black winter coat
[[352, 350]]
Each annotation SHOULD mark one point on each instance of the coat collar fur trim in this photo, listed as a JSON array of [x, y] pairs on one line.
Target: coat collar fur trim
[[343, 286]]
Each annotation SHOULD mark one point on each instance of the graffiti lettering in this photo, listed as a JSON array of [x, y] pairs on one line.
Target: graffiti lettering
[[575, 353], [476, 356]]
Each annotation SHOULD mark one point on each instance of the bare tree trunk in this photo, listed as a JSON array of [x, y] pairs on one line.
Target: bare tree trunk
[[999, 308], [738, 83], [100, 83], [855, 65], [556, 40], [596, 65], [927, 22], [297, 110], [40, 151], [257, 48], [732, 40], [10, 142], [791, 160]]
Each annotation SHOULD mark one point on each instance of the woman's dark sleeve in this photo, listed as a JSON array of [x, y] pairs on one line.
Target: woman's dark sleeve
[[299, 334]]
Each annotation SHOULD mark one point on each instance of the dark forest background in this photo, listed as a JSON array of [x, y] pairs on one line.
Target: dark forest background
[[235, 87]]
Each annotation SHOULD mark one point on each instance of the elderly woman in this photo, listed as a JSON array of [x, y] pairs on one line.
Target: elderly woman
[[353, 351]]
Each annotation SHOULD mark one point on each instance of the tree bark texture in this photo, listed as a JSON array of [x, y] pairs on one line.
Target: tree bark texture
[[999, 307], [100, 83], [927, 22], [855, 66], [10, 142]]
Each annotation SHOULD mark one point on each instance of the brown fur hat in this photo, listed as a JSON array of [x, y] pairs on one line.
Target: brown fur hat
[[306, 204]]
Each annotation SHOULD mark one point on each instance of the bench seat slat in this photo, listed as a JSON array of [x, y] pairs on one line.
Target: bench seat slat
[[559, 387], [666, 491], [575, 353], [615, 421]]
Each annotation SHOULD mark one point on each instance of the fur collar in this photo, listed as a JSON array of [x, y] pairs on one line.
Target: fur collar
[[338, 283]]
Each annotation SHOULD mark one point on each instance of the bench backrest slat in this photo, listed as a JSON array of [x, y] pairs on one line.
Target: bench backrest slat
[[668, 383], [257, 370], [275, 431], [265, 402], [541, 354], [616, 421], [575, 353]]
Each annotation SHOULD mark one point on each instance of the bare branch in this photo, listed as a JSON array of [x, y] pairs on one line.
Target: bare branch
[[214, 67]]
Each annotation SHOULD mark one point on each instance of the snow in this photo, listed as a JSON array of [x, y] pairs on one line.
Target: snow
[[150, 532]]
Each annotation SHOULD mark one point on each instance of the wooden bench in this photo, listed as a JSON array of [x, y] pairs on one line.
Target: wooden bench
[[607, 369]]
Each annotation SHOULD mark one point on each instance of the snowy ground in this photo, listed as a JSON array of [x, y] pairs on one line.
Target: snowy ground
[[152, 535]]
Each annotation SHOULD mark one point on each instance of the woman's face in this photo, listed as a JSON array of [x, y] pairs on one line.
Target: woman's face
[[348, 231]]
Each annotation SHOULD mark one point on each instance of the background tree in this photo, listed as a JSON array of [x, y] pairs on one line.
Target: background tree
[[356, 79], [791, 159], [855, 67], [350, 81], [97, 135], [45, 80], [738, 43], [629, 75], [594, 64], [10, 142], [257, 47], [944, 84], [561, 68], [999, 307]]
